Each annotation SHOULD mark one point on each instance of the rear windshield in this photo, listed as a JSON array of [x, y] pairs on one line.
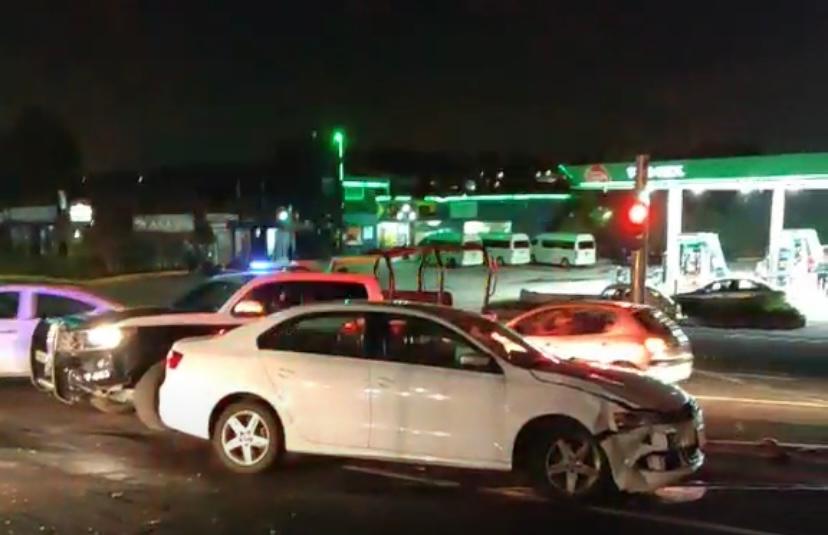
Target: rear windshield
[[657, 324], [521, 244], [588, 244]]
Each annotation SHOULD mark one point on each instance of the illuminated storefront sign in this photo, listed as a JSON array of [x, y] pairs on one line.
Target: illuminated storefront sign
[[660, 171]]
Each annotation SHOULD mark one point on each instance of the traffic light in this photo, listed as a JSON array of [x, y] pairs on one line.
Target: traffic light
[[638, 212], [635, 220]]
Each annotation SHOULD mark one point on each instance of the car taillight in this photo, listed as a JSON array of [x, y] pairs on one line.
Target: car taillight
[[655, 345], [173, 358]]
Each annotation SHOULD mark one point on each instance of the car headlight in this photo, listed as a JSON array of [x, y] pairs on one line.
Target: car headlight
[[104, 337], [625, 420]]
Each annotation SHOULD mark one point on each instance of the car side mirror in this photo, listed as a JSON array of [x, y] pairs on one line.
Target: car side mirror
[[474, 360], [249, 308]]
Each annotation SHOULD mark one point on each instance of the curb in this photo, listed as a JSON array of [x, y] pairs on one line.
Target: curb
[[11, 279]]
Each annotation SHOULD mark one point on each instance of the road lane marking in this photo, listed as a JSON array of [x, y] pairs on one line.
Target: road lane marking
[[760, 401], [719, 376], [446, 483], [681, 522], [789, 445], [808, 487], [737, 377]]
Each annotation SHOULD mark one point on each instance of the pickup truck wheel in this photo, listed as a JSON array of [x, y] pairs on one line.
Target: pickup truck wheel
[[566, 462], [145, 397], [247, 437], [108, 406]]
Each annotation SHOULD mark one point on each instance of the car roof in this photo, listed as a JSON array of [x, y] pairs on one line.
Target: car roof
[[68, 290], [565, 235], [297, 276], [404, 307], [592, 303]]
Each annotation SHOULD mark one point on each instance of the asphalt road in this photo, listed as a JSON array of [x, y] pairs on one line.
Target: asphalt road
[[73, 470]]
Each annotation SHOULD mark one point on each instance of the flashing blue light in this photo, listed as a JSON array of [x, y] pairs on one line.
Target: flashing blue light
[[263, 265]]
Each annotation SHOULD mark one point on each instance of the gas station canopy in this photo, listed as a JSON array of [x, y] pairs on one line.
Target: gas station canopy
[[786, 171]]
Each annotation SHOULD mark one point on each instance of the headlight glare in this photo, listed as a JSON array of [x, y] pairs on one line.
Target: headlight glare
[[104, 337]]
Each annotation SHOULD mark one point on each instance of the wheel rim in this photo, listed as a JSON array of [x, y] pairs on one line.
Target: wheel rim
[[245, 438], [573, 465]]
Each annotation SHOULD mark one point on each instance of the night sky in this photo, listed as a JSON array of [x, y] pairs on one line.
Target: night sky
[[150, 83]]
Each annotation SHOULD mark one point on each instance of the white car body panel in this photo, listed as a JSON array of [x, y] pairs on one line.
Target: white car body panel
[[387, 410], [437, 413], [323, 399], [16, 334]]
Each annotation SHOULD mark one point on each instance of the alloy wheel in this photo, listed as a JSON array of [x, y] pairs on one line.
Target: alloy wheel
[[573, 465], [245, 438]]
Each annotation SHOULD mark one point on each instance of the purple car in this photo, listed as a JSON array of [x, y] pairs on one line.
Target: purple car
[[22, 306]]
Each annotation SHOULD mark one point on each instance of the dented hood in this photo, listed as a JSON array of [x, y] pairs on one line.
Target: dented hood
[[627, 388]]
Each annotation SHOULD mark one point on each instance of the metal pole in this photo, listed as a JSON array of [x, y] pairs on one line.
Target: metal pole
[[777, 223], [638, 279], [672, 263]]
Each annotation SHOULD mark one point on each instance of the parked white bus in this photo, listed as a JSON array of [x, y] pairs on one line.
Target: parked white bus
[[564, 248], [456, 258], [507, 248]]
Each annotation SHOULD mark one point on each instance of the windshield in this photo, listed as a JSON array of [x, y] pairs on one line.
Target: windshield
[[211, 295]]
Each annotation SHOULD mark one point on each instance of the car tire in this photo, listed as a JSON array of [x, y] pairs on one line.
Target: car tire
[[107, 406], [565, 263], [566, 462], [145, 397], [247, 457]]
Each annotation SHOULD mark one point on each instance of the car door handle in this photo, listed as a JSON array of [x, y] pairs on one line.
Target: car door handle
[[384, 382], [284, 373]]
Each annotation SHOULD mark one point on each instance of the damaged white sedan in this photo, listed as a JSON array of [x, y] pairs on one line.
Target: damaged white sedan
[[429, 385]]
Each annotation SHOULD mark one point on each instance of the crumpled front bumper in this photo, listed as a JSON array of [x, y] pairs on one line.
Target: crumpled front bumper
[[72, 377], [647, 458]]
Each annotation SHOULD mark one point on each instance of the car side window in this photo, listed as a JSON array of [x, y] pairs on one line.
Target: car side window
[[747, 285], [276, 296], [592, 322], [555, 322], [280, 295], [419, 341], [9, 303], [341, 335], [55, 306], [715, 287]]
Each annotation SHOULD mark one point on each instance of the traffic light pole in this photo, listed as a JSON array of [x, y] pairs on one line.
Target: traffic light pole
[[638, 276]]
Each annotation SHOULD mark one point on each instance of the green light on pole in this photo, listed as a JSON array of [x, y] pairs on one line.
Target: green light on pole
[[339, 140]]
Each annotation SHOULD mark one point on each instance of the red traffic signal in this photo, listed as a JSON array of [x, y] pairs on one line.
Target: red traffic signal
[[638, 213], [633, 223]]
